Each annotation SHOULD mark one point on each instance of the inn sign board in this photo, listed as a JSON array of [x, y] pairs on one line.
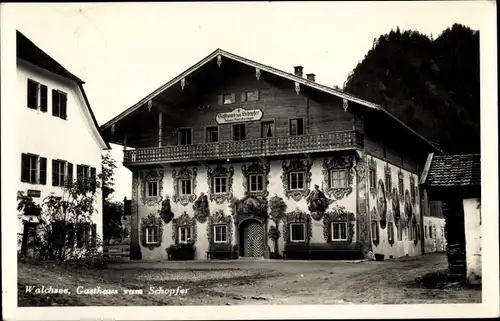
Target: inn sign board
[[239, 115]]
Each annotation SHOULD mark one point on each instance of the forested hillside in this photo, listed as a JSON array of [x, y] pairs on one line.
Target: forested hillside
[[430, 84]]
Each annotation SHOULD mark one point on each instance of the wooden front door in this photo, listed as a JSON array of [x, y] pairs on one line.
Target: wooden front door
[[253, 239]]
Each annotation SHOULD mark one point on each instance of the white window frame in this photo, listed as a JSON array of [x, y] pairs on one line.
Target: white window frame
[[399, 232], [227, 102], [304, 230], [303, 180], [153, 235], [219, 179], [375, 232], [190, 233], [332, 180], [36, 159], [181, 191], [38, 94], [333, 239], [225, 233], [148, 188], [256, 182]]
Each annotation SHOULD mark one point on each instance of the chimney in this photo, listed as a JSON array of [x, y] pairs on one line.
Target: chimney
[[298, 71], [311, 77]]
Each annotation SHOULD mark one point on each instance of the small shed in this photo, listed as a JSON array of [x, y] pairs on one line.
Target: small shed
[[455, 180]]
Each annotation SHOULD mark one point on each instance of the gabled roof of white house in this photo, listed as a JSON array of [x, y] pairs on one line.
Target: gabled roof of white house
[[28, 51], [312, 84]]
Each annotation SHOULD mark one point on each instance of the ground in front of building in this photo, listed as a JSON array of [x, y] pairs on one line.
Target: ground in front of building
[[399, 281]]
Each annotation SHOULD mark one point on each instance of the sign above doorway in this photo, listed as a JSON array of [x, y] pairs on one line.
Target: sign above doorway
[[239, 115]]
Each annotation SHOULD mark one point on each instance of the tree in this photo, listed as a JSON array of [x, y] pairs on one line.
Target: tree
[[113, 229], [65, 231], [432, 85]]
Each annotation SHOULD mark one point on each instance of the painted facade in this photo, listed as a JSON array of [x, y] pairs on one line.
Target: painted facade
[[473, 244], [69, 135], [211, 170]]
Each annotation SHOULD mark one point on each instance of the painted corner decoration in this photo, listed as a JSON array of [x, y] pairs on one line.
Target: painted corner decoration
[[396, 206], [414, 191], [407, 205], [201, 208], [339, 214], [382, 204], [295, 172], [297, 216], [219, 218], [154, 225], [220, 183], [249, 207], [372, 171], [401, 185], [277, 209], [318, 203], [182, 179], [257, 169], [388, 181], [338, 176], [151, 186], [185, 221], [165, 211]]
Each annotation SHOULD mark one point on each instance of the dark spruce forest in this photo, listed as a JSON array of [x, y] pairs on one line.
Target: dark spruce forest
[[432, 85]]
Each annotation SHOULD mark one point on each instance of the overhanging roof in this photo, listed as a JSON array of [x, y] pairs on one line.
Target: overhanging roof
[[452, 171], [28, 51], [271, 70]]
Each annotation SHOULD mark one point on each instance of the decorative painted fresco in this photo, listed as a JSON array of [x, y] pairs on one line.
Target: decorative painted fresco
[[220, 171], [300, 217], [219, 218], [184, 173], [317, 203], [153, 175], [363, 221], [184, 220], [372, 168], [346, 163], [151, 221], [401, 185], [256, 168], [388, 181], [296, 166], [201, 208], [382, 204], [165, 211], [338, 214]]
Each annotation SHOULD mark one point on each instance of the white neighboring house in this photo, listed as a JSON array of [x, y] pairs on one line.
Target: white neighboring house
[[59, 138]]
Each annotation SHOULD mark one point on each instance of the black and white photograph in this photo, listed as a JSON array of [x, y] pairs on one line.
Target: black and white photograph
[[249, 160]]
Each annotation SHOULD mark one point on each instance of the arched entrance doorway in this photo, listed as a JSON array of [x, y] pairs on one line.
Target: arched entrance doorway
[[252, 241]]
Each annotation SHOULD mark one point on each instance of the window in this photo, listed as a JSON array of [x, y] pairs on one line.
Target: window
[[37, 96], [388, 182], [82, 171], [239, 132], [152, 189], [185, 187], [390, 232], [184, 136], [400, 186], [228, 99], [430, 232], [256, 183], [339, 231], [267, 129], [375, 231], [212, 134], [297, 232], [426, 232], [184, 234], [400, 232], [296, 180], [220, 233], [252, 95], [59, 104], [219, 185], [80, 234], [412, 191], [296, 126], [59, 172], [152, 235], [338, 178], [372, 177], [33, 169]]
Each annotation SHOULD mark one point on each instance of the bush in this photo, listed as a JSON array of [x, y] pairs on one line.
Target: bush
[[181, 252]]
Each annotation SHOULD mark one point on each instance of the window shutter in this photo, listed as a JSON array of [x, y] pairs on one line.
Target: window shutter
[[25, 172], [54, 173], [64, 100], [32, 94], [300, 126], [54, 103], [78, 171], [43, 170], [94, 235], [243, 96], [233, 98], [80, 232], [92, 172], [70, 174], [43, 98], [219, 99]]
